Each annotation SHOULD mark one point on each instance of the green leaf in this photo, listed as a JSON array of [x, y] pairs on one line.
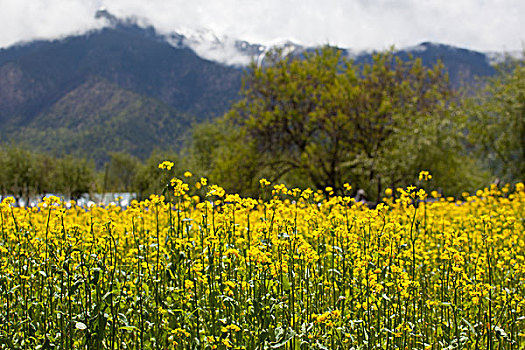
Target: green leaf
[[286, 283], [470, 327], [500, 333], [80, 325], [128, 328], [284, 337]]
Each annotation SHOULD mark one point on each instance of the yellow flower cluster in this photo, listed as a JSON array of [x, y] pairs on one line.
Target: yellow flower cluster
[[292, 269], [167, 165]]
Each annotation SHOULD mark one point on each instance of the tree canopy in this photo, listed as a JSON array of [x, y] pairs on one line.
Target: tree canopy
[[497, 121], [321, 120]]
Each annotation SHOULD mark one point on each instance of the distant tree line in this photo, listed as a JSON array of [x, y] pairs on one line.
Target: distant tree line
[[25, 173], [320, 121]]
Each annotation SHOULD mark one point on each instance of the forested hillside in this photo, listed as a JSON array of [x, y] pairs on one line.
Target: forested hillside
[[118, 89], [126, 88]]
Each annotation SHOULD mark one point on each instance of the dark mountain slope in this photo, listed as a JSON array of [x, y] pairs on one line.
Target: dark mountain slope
[[35, 77], [463, 66], [98, 117], [125, 88]]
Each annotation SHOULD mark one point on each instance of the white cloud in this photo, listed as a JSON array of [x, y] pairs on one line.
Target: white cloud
[[40, 19], [478, 24]]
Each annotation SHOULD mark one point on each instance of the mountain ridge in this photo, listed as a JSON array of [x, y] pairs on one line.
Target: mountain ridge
[[57, 93]]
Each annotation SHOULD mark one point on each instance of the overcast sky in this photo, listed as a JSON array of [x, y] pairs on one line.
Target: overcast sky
[[487, 25]]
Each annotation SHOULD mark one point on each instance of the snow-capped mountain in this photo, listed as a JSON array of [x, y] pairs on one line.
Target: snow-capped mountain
[[222, 49], [145, 87], [207, 44], [235, 52]]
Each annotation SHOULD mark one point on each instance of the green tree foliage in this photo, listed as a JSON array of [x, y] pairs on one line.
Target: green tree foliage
[[73, 177], [120, 172], [323, 121], [150, 179], [221, 152], [21, 172], [497, 121], [25, 173]]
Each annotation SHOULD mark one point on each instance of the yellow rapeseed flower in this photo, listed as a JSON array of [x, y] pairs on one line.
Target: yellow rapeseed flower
[[166, 165]]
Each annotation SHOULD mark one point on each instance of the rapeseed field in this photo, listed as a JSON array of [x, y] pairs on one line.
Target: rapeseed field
[[198, 268]]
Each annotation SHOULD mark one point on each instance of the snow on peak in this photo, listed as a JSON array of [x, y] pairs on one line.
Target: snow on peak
[[208, 45]]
